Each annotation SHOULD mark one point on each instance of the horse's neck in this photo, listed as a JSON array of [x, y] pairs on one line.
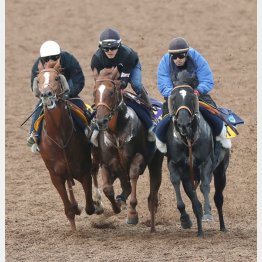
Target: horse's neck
[[58, 120]]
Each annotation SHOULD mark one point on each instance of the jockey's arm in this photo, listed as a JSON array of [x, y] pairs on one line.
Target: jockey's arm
[[204, 73], [76, 79]]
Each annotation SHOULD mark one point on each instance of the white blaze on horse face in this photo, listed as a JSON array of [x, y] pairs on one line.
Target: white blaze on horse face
[[47, 78], [183, 93], [101, 90]]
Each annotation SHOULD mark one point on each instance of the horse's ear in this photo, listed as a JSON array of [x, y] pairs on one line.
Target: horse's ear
[[40, 66], [115, 73], [57, 65], [95, 74]]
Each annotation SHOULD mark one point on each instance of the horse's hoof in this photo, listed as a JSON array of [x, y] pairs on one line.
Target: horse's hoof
[[153, 230], [200, 235], [223, 229], [207, 218], [99, 210], [186, 222], [132, 219], [117, 209], [121, 201]]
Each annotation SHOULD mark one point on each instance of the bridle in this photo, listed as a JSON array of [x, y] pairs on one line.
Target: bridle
[[112, 110], [189, 143], [54, 91]]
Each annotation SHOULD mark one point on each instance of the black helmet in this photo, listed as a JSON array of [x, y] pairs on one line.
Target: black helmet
[[109, 38], [178, 45]]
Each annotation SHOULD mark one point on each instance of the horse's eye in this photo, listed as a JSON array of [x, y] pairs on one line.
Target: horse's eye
[[111, 93], [57, 78]]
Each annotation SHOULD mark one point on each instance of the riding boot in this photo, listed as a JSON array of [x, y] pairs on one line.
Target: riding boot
[[222, 138], [144, 96]]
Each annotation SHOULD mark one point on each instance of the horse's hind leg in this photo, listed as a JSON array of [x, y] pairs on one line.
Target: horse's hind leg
[[134, 172], [94, 171], [206, 177], [71, 209], [87, 186], [126, 189], [155, 173], [175, 180], [220, 183]]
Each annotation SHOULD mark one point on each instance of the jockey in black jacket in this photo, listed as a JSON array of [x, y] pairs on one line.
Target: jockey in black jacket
[[71, 69], [112, 53]]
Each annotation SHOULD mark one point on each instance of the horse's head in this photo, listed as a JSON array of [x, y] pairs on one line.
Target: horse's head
[[107, 96], [183, 107], [51, 84]]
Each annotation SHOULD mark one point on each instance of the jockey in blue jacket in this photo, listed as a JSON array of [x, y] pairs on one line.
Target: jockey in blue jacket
[[71, 69], [182, 57]]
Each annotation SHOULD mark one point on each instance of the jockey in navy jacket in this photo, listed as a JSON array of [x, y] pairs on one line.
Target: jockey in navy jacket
[[70, 69]]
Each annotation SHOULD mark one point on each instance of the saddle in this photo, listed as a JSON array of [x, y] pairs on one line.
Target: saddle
[[137, 103], [77, 113]]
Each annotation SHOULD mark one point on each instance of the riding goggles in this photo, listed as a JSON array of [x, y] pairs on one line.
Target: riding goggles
[[178, 55], [51, 57]]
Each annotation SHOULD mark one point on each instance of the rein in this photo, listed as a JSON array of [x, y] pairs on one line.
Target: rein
[[188, 143], [191, 172]]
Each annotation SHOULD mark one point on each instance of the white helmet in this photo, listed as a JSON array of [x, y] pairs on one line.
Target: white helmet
[[49, 48]]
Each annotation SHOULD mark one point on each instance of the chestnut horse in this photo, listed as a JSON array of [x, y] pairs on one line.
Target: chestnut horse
[[63, 146], [124, 150]]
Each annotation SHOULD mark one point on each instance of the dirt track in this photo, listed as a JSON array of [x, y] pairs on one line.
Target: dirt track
[[36, 227]]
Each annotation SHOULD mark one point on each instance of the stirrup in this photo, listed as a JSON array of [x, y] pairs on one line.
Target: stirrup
[[93, 138], [30, 140], [161, 146], [151, 137]]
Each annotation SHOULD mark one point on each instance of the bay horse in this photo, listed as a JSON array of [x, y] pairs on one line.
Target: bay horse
[[64, 148], [124, 150], [193, 156]]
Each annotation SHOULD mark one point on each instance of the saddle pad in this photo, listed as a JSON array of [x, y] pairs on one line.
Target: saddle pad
[[78, 111]]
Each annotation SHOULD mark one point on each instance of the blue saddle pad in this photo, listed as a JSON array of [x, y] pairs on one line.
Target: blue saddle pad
[[232, 117]]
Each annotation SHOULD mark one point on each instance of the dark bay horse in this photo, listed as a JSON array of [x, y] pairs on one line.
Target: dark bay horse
[[63, 147], [193, 157], [123, 146]]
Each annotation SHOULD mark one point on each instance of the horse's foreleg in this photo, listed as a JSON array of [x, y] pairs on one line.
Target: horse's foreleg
[[175, 180], [71, 209], [109, 190], [134, 172], [155, 174], [197, 207]]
